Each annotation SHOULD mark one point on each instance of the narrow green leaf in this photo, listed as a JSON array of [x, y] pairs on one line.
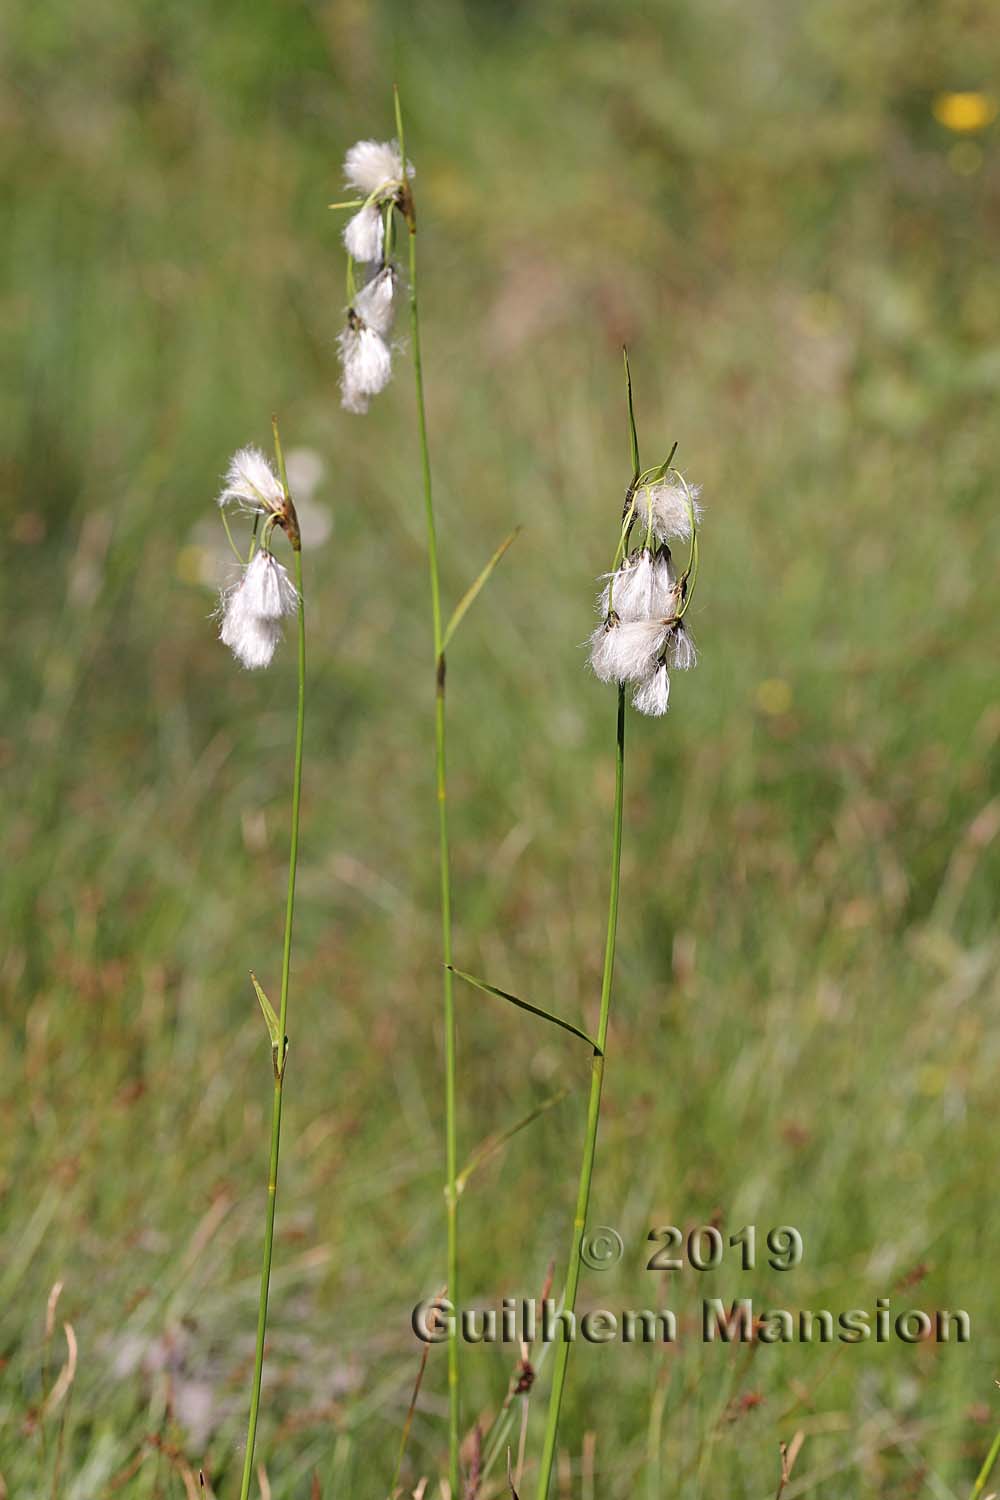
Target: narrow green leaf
[[470, 594], [536, 1010], [493, 1143], [267, 1010], [351, 203], [655, 475], [632, 436]]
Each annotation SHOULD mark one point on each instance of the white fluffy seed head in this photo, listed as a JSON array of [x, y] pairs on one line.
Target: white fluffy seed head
[[251, 639], [367, 366], [681, 651], [652, 696], [665, 506], [626, 650], [363, 234], [269, 593], [373, 304], [251, 483], [665, 599], [375, 167], [629, 592]]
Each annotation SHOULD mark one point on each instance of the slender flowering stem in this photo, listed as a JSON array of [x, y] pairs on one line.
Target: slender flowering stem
[[593, 1115], [451, 1135], [987, 1469], [280, 1049]]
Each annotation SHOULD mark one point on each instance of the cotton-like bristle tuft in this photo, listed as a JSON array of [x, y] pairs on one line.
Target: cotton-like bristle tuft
[[251, 483], [374, 167], [652, 696], [665, 506], [373, 304], [367, 365], [625, 651], [363, 234], [681, 650], [629, 592], [664, 598], [269, 593], [252, 640]]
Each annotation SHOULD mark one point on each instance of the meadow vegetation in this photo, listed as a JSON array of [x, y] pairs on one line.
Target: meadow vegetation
[[800, 255]]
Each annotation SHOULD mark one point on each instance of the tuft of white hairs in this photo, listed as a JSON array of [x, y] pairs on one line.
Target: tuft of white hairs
[[375, 167], [268, 592], [629, 592], [664, 596], [681, 649], [251, 483], [252, 639], [373, 304], [367, 366], [364, 233], [664, 507], [653, 694], [626, 650]]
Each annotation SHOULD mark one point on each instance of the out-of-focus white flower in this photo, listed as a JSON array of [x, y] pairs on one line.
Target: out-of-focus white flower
[[251, 483], [664, 506], [681, 649], [653, 694], [364, 233], [373, 304], [367, 365], [306, 469], [268, 591], [626, 650], [375, 168]]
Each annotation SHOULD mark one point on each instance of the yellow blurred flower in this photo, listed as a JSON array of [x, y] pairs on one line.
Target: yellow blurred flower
[[964, 111], [774, 696]]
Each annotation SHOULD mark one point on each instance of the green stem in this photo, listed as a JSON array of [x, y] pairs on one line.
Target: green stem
[[593, 1117], [281, 1050], [451, 1134], [987, 1469]]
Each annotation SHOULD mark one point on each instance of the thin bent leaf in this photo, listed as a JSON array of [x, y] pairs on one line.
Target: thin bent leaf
[[469, 597], [632, 436], [267, 1010], [494, 1143], [536, 1010]]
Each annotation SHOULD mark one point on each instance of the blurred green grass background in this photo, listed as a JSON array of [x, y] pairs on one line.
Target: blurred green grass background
[[802, 257]]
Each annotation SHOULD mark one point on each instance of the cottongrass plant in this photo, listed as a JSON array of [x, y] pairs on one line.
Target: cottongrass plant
[[641, 637], [380, 172], [252, 611]]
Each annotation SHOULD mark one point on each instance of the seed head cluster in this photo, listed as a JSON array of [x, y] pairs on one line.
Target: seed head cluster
[[252, 608], [375, 169], [642, 635]]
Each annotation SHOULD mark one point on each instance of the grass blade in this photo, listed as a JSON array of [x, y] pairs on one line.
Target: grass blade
[[536, 1010], [469, 597], [268, 1012], [494, 1143], [632, 437]]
